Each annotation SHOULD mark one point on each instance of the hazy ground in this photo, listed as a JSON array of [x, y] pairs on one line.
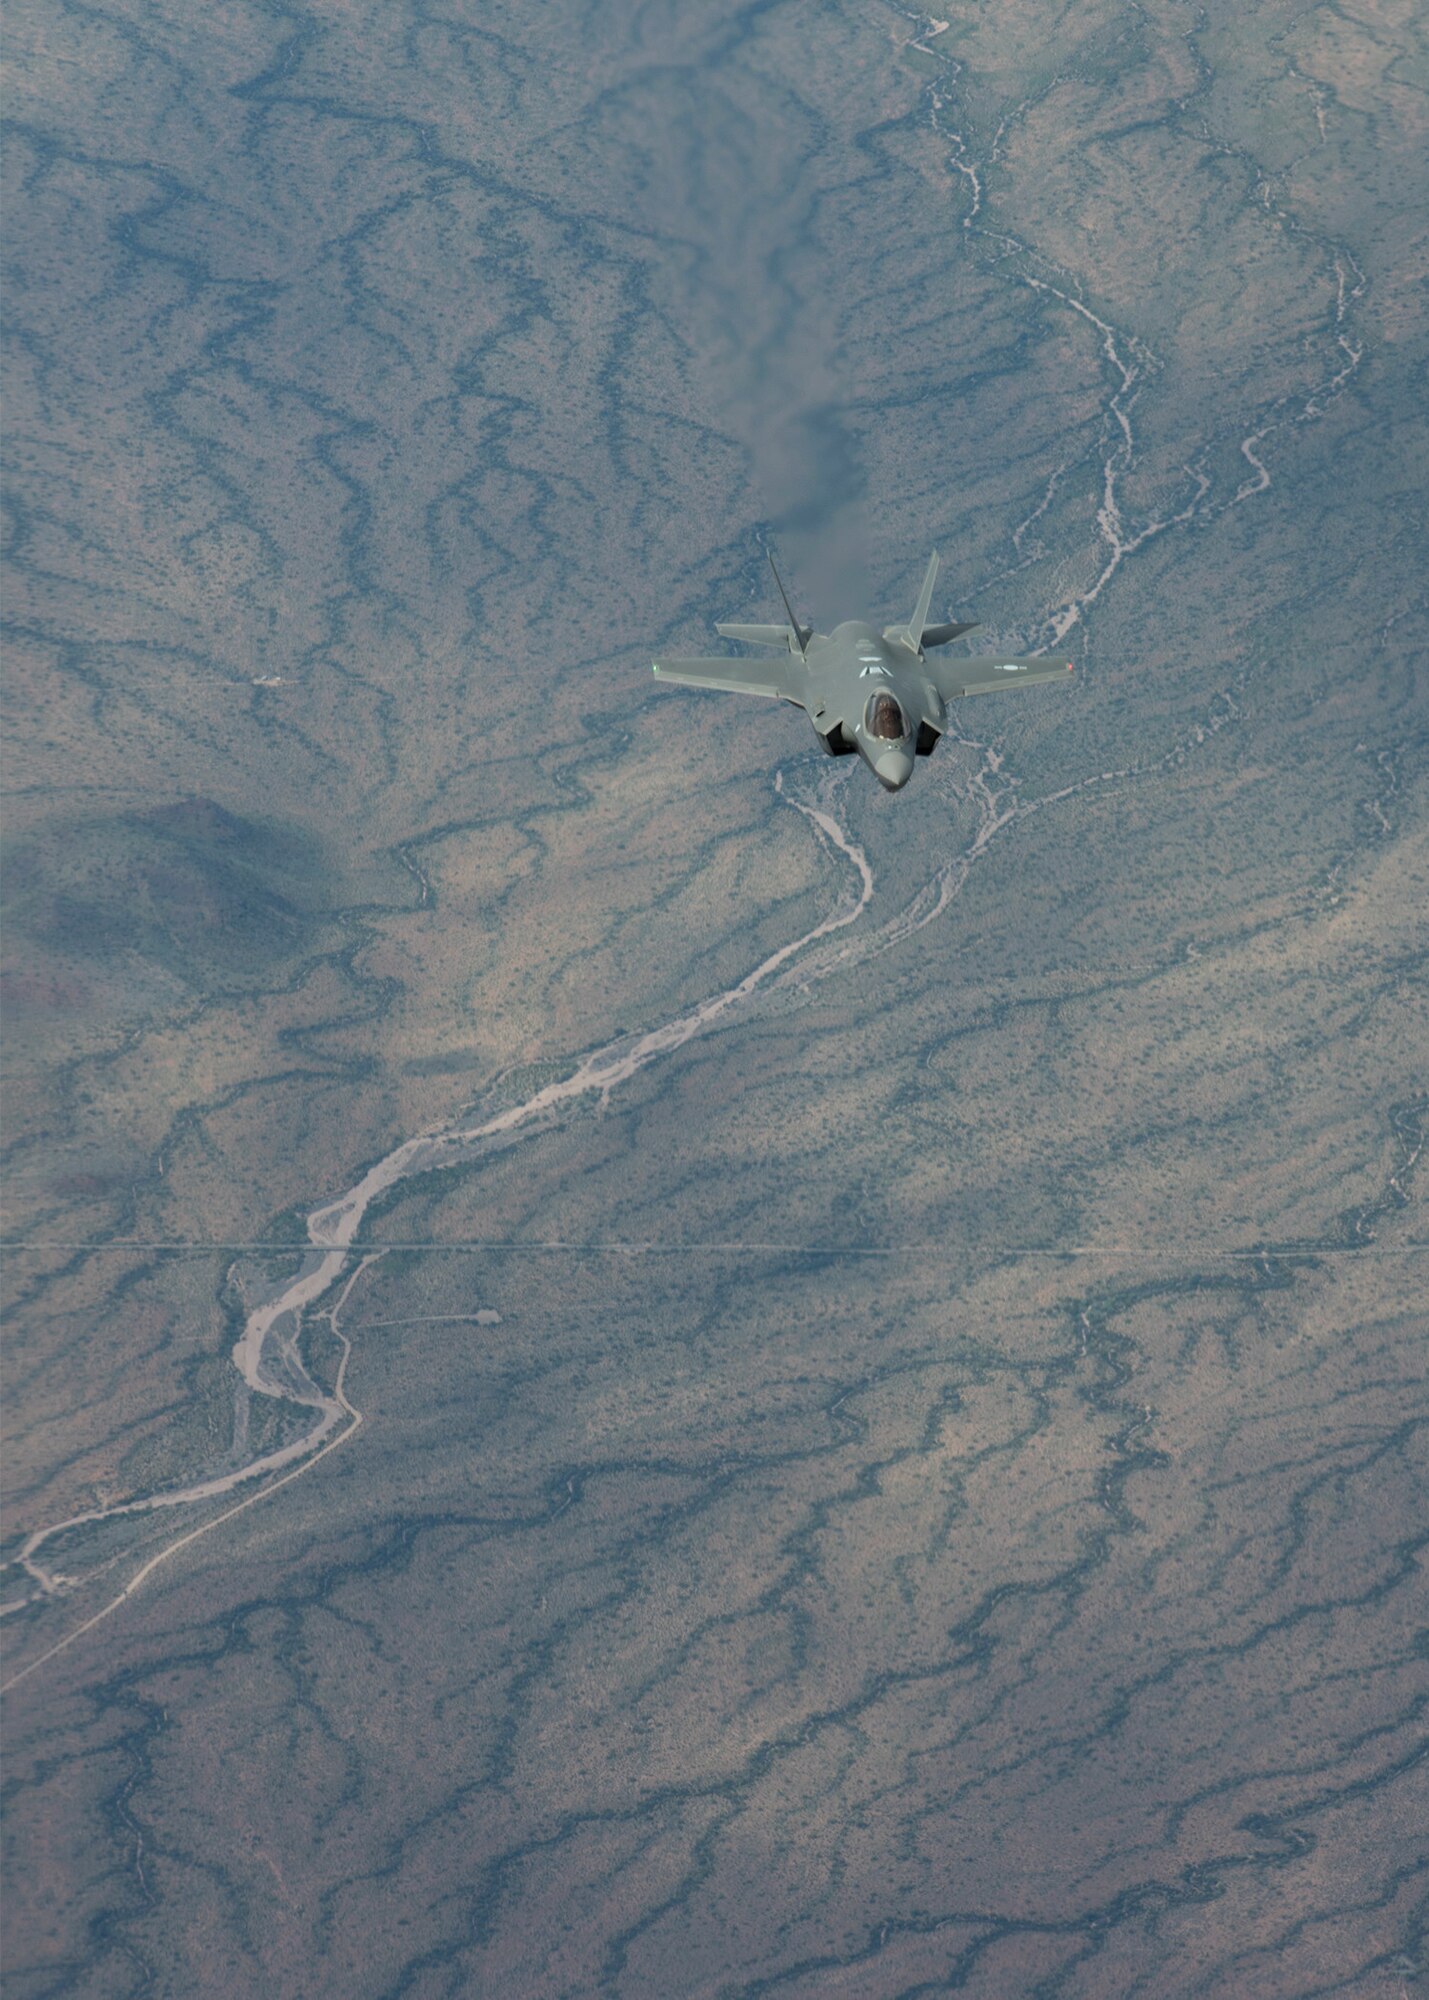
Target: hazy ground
[[917, 1484]]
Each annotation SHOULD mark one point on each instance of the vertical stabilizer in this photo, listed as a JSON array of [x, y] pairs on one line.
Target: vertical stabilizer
[[917, 623], [803, 633]]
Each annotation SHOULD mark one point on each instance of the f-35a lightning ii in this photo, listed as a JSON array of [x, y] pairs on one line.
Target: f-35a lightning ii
[[875, 693]]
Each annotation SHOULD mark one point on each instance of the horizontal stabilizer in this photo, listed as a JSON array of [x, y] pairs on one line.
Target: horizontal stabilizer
[[780, 637], [933, 635], [777, 680], [954, 678], [944, 635]]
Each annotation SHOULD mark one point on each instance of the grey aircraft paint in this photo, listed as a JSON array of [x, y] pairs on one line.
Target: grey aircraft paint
[[876, 693]]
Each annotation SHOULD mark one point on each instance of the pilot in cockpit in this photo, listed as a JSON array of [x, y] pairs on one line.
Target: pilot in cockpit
[[884, 719]]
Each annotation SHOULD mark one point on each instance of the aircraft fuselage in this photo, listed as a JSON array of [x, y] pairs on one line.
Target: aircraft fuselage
[[869, 694]]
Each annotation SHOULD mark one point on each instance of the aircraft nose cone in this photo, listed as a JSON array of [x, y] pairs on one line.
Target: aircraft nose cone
[[894, 768]]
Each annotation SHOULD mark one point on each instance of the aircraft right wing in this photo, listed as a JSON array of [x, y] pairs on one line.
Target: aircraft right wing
[[954, 677], [778, 680]]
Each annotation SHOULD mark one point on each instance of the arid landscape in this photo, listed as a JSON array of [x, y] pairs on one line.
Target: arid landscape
[[633, 1368]]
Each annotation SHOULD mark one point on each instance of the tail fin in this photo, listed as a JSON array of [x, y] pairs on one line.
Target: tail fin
[[803, 633], [911, 634]]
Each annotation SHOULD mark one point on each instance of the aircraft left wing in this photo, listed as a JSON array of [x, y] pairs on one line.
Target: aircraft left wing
[[778, 680], [955, 677]]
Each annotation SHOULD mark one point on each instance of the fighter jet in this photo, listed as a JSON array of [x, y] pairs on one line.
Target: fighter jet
[[874, 693]]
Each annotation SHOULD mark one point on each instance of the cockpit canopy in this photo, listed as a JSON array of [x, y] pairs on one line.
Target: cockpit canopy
[[884, 719]]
